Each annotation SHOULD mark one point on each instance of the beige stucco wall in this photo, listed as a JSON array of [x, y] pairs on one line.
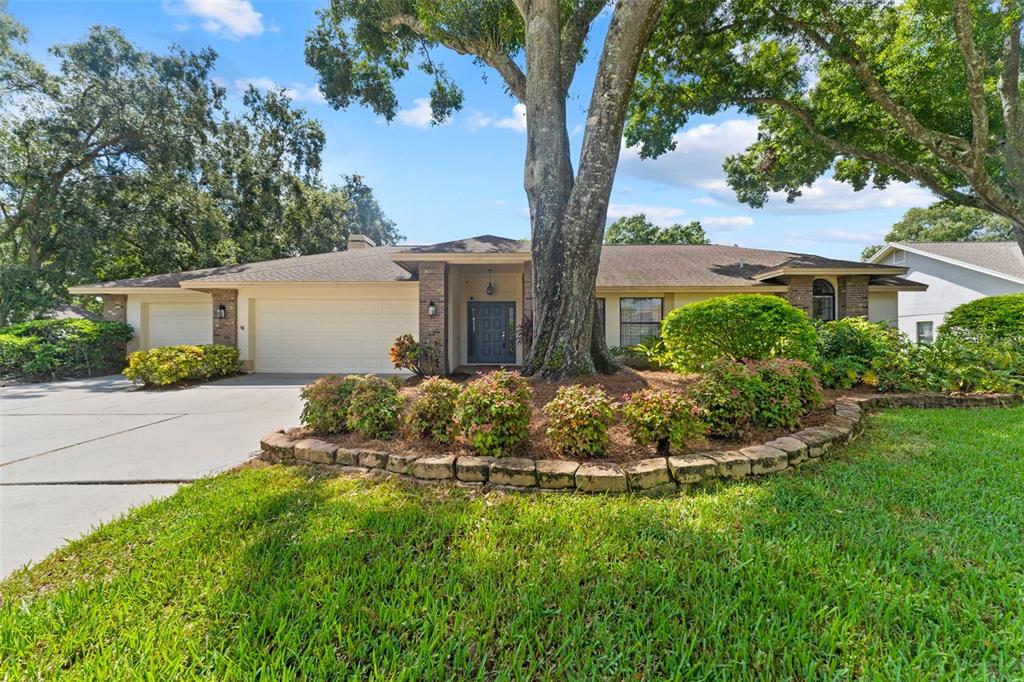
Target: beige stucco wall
[[883, 306]]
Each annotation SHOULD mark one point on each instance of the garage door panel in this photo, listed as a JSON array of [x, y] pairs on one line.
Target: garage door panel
[[173, 324], [346, 335]]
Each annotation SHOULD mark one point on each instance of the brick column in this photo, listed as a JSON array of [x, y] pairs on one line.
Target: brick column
[[852, 296], [434, 330], [800, 292], [115, 307], [225, 331]]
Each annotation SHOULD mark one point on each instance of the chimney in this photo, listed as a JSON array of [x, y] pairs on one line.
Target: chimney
[[359, 241]]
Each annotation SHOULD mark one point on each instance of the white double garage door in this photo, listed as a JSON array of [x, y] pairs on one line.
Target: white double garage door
[[345, 333]]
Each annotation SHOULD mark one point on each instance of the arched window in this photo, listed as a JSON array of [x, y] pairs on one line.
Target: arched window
[[824, 307]]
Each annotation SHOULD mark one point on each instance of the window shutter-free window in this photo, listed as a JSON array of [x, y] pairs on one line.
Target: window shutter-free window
[[639, 320], [926, 332]]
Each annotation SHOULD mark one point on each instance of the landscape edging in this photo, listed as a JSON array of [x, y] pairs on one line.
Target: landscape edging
[[652, 476]]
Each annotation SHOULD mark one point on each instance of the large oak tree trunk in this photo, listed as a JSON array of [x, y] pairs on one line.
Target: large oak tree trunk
[[568, 214]]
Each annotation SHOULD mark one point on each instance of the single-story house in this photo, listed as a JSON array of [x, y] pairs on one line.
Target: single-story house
[[341, 311], [955, 272]]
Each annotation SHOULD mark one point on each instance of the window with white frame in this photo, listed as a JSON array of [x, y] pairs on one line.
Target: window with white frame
[[926, 332], [639, 320]]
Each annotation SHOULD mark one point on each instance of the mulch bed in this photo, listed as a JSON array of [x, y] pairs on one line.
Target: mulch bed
[[621, 447]]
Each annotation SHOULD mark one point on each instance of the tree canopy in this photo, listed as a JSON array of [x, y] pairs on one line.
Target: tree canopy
[[637, 229], [360, 49], [122, 163], [946, 223], [869, 91]]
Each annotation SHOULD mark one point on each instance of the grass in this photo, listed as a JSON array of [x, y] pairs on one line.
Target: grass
[[902, 558]]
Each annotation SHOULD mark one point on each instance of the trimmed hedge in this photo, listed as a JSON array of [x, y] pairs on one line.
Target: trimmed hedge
[[167, 365], [994, 317], [325, 403], [737, 327], [55, 349]]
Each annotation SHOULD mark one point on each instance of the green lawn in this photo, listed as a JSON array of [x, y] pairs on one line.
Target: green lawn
[[901, 558]]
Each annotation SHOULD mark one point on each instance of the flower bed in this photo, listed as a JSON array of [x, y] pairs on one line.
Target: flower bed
[[653, 475]]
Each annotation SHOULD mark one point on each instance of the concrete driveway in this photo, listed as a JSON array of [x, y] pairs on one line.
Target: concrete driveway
[[75, 454]]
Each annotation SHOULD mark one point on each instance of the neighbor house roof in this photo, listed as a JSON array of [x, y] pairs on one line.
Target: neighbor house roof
[[631, 266], [998, 258]]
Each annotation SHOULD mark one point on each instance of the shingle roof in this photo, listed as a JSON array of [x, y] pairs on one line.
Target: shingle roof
[[485, 243], [704, 265], [1002, 257], [621, 265]]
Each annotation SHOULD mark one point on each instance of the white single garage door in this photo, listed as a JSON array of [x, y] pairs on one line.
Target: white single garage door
[[173, 324], [344, 335]]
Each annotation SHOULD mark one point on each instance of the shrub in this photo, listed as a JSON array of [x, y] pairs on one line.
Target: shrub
[[167, 365], [432, 414], [994, 317], [408, 353], [374, 407], [325, 403], [737, 327], [953, 363], [578, 420], [789, 389], [45, 349], [493, 412], [848, 347], [737, 396], [667, 419], [727, 393]]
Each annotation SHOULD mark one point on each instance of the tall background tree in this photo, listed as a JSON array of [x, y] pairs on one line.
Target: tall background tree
[[871, 91], [360, 48], [637, 229], [123, 162], [946, 223]]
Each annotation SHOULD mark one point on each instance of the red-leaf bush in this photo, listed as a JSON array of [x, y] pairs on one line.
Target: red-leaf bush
[[493, 412], [374, 408], [325, 403], [579, 417], [667, 419], [432, 414]]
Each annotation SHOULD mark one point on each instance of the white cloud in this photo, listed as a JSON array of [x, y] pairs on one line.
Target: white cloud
[[696, 164], [233, 19], [659, 215], [516, 121], [726, 223], [420, 116], [296, 91]]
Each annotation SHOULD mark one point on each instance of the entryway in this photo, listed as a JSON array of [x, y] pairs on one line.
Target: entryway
[[492, 332]]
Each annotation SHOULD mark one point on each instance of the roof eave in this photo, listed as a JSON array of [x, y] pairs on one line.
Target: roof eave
[[782, 272], [945, 259], [92, 289]]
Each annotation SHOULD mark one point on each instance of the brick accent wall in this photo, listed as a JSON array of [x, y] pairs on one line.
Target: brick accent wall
[[225, 331], [852, 296], [434, 330], [115, 307], [800, 292]]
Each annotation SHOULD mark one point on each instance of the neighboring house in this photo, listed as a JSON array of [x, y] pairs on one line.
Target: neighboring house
[[341, 311], [955, 272]]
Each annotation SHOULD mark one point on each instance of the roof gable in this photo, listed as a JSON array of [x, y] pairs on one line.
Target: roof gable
[[999, 259]]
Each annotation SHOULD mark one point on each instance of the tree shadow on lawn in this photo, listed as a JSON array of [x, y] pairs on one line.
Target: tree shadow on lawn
[[868, 565], [903, 563]]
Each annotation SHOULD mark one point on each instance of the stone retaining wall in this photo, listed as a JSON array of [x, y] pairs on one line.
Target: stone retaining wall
[[657, 475]]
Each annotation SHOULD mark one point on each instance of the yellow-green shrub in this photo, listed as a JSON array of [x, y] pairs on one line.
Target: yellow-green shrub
[[579, 417], [167, 365]]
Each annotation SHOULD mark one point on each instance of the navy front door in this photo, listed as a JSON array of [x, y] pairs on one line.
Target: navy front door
[[492, 332]]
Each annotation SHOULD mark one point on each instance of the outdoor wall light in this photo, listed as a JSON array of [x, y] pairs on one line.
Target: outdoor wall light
[[431, 309], [222, 312], [490, 287]]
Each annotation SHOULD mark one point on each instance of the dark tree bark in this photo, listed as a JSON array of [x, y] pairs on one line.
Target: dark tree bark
[[568, 214]]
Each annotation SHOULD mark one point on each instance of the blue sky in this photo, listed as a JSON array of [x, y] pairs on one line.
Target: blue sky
[[465, 178]]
